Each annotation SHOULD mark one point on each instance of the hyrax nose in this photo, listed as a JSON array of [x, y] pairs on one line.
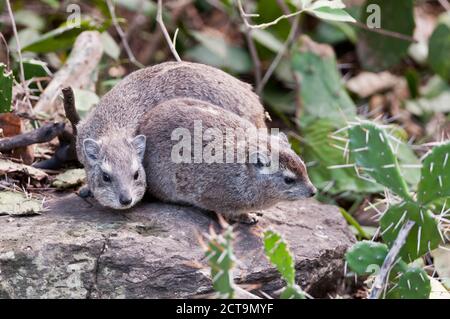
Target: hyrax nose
[[124, 200], [313, 192]]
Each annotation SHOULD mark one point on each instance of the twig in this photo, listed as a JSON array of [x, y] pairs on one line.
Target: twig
[[253, 52], [268, 24], [279, 56], [19, 48], [43, 134], [122, 35], [445, 4], [69, 108], [160, 21], [380, 280], [388, 33]]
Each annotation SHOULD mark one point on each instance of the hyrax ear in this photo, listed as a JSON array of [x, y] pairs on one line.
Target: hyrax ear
[[259, 159], [91, 150], [139, 144]]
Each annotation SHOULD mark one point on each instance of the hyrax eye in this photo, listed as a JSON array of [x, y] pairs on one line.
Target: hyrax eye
[[136, 175], [289, 180], [106, 178]]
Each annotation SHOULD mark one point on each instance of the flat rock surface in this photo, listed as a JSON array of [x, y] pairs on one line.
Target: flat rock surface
[[79, 250]]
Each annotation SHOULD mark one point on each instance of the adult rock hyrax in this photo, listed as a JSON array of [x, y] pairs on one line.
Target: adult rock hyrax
[[107, 143], [192, 158]]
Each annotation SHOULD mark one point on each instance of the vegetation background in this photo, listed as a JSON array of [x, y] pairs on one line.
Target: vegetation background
[[320, 71]]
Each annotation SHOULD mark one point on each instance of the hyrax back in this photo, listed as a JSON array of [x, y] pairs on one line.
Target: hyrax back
[[186, 161]]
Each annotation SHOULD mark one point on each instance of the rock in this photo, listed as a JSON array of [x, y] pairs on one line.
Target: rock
[[77, 249]]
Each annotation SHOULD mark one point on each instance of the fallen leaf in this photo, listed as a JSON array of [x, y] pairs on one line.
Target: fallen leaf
[[18, 204], [441, 258], [366, 84], [70, 178], [9, 167]]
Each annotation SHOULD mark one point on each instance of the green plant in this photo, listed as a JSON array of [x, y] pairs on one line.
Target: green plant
[[6, 85], [373, 151], [221, 260], [278, 253]]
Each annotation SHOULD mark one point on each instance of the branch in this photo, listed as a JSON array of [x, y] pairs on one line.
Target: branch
[[122, 35], [43, 134], [77, 72], [69, 108], [160, 21], [445, 4], [279, 56], [380, 280], [19, 48]]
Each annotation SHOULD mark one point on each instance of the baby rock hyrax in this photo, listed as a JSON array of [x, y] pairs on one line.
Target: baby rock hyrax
[[108, 144], [192, 158]]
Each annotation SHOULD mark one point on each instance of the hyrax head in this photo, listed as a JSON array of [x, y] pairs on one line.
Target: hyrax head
[[281, 172], [115, 173]]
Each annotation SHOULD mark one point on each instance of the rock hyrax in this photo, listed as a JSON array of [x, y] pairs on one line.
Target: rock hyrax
[[107, 142], [179, 171]]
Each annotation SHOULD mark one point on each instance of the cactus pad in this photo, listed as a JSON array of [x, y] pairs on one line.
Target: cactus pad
[[423, 237], [365, 257], [374, 156], [413, 284], [435, 179], [219, 253], [440, 46]]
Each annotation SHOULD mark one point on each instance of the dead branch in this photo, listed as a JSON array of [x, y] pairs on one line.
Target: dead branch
[[43, 134], [384, 32], [380, 280], [122, 35], [69, 108], [77, 72], [171, 43]]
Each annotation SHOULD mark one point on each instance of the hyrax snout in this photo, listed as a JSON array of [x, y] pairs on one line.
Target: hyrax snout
[[202, 155], [106, 138]]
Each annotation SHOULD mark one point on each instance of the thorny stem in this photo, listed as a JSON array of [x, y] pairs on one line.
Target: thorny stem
[[380, 280], [122, 35]]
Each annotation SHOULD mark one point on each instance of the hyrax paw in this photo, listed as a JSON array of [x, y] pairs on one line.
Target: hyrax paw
[[248, 219], [84, 192]]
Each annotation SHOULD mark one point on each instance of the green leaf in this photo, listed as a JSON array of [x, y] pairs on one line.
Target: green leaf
[[34, 68], [323, 93], [435, 179], [145, 6], [439, 46], [217, 52], [327, 10], [6, 85], [374, 156], [378, 52], [423, 237], [221, 259], [110, 46], [267, 39], [60, 38], [279, 255], [353, 222], [29, 19], [84, 101]]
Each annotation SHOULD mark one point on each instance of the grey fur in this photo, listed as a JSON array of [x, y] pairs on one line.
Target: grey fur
[[228, 188], [113, 123]]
